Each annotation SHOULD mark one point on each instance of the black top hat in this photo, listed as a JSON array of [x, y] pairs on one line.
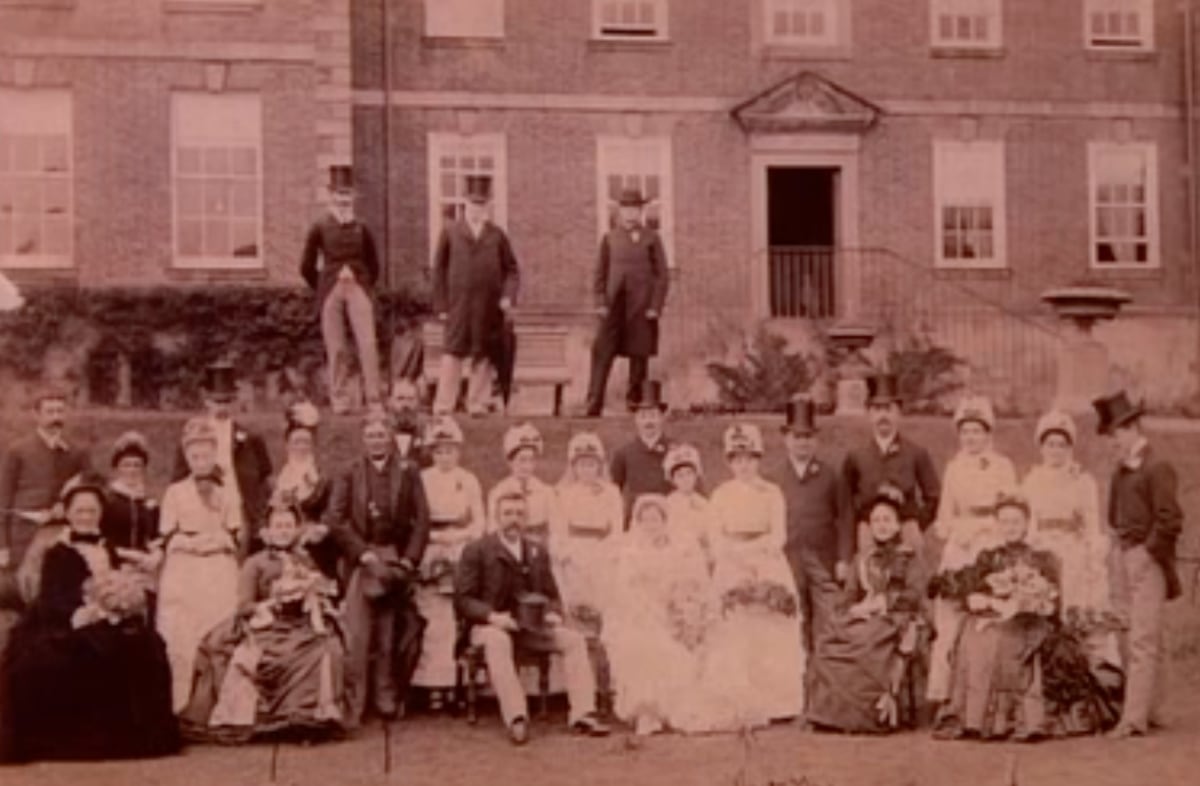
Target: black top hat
[[1116, 410], [535, 633], [883, 389], [220, 381], [801, 416], [479, 188], [630, 197], [649, 395], [341, 178]]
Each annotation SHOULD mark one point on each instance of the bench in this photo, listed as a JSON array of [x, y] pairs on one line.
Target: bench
[[541, 356]]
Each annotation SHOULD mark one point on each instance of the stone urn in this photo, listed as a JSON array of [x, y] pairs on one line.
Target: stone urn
[[1083, 362], [851, 340]]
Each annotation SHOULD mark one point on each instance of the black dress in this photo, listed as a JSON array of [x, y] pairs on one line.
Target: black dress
[[102, 691]]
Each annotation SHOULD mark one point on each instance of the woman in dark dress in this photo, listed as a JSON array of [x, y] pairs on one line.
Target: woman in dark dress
[[130, 518], [84, 676], [302, 483]]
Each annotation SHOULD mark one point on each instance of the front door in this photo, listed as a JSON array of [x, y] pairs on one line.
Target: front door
[[801, 237]]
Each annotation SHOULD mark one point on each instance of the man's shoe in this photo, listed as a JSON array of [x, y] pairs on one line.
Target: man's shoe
[[386, 709], [591, 726], [518, 731], [1124, 731]]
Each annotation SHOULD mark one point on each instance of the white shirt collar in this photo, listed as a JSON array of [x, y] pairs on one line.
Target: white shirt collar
[[513, 548], [54, 442], [1138, 454], [887, 445], [803, 469], [379, 464]]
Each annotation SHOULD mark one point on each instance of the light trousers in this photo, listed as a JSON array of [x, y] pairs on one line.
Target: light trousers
[[502, 671], [349, 303], [479, 384], [1141, 596]]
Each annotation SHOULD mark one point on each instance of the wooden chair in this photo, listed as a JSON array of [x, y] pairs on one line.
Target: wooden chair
[[470, 667]]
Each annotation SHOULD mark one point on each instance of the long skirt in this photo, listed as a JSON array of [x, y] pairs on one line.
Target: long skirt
[[196, 593], [996, 687], [759, 656], [284, 676], [852, 671], [100, 692], [436, 667]]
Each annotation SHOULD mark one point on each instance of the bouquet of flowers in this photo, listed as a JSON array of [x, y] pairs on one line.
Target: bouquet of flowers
[[763, 594], [689, 614], [114, 597], [1022, 589], [302, 585]]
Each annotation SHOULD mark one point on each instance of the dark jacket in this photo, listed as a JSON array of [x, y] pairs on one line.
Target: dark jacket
[[129, 522], [1143, 510], [819, 516], [490, 578], [470, 276], [252, 466], [351, 525], [631, 278], [31, 477], [339, 245], [906, 465], [637, 470]]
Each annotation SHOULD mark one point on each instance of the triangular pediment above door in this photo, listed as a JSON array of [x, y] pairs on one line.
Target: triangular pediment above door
[[806, 102]]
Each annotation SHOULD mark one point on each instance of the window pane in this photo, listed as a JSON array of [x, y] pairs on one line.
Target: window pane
[[486, 163], [984, 218], [950, 246], [216, 161], [190, 197], [244, 161], [449, 184], [245, 198], [188, 161], [6, 143], [216, 197], [57, 236], [27, 234], [25, 154], [6, 195], [54, 154], [56, 196], [28, 196], [216, 237], [191, 238], [985, 246], [244, 238]]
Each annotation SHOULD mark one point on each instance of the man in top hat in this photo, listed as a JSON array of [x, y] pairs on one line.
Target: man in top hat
[[630, 287], [378, 516], [892, 459], [242, 457], [32, 474], [820, 522], [637, 466], [1145, 516], [494, 574], [341, 265], [475, 279]]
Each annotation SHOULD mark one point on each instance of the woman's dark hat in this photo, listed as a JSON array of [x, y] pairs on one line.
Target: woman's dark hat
[[1115, 411], [649, 395], [220, 381], [478, 188], [341, 178], [883, 389], [800, 417]]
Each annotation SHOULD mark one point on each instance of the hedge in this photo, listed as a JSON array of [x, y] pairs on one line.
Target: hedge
[[167, 335]]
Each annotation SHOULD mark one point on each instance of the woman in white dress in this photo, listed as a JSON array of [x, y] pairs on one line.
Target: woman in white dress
[[660, 613], [456, 518], [199, 580], [760, 638], [584, 542], [523, 448], [966, 522], [688, 510]]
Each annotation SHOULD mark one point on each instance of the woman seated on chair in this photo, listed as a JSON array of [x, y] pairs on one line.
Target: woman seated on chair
[[277, 665], [859, 669], [84, 676]]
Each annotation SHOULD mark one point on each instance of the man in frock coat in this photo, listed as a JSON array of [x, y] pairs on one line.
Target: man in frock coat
[[820, 523], [242, 456], [494, 572], [637, 466], [1145, 514], [34, 470], [341, 265], [630, 287], [379, 518], [475, 280]]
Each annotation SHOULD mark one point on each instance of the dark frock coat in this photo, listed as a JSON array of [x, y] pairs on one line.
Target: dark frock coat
[[470, 276], [631, 278]]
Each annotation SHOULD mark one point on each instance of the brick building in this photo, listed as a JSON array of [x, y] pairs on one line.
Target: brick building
[[936, 164], [155, 141]]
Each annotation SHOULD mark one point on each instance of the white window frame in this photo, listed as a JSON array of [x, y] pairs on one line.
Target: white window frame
[[453, 19], [961, 10], [1149, 152], [1143, 8], [988, 180], [459, 146], [181, 137], [635, 32], [613, 156], [837, 22], [39, 114]]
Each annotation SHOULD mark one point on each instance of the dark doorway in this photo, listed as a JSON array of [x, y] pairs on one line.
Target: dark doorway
[[801, 235]]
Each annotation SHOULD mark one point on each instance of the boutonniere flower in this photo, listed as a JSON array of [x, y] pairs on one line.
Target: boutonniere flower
[[239, 435], [151, 504], [813, 468]]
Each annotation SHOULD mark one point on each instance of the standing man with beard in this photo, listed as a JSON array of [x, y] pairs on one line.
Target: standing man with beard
[[32, 475], [890, 458]]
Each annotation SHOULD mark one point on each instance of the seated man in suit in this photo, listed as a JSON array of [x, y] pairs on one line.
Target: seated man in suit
[[493, 573]]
